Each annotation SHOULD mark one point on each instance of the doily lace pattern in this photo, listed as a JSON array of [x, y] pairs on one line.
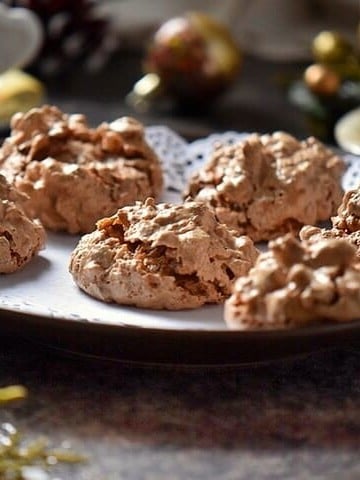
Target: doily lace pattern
[[180, 158]]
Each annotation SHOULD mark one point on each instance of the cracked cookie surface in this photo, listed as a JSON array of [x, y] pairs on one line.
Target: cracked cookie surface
[[296, 284], [74, 174], [266, 186], [20, 237], [346, 224], [161, 256]]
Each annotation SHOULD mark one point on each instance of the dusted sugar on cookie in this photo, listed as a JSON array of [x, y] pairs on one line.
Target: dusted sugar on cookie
[[74, 174], [269, 185], [20, 237], [346, 224], [296, 284], [161, 256]]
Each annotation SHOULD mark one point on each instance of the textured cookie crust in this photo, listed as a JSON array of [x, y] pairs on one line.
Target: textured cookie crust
[[346, 224], [161, 256], [295, 284], [268, 185], [74, 174], [348, 217], [20, 237]]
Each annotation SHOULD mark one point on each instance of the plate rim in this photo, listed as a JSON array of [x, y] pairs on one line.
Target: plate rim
[[132, 344]]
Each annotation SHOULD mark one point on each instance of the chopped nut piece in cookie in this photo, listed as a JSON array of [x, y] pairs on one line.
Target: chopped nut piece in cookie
[[20, 237], [268, 185], [161, 256], [348, 217], [74, 174], [295, 284], [345, 225]]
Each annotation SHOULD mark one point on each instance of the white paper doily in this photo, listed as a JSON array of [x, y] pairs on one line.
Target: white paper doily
[[180, 158]]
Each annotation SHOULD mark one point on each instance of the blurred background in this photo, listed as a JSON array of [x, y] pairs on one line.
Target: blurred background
[[238, 65], [272, 29]]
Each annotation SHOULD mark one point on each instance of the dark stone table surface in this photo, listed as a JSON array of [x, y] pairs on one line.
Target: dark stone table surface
[[292, 419]]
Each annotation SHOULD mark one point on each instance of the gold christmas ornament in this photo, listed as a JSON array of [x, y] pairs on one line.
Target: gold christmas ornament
[[192, 58], [19, 92], [330, 87], [330, 47], [322, 80]]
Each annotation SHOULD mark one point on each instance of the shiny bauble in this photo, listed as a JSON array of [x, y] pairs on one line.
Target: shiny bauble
[[322, 80], [19, 92], [330, 47], [194, 57]]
